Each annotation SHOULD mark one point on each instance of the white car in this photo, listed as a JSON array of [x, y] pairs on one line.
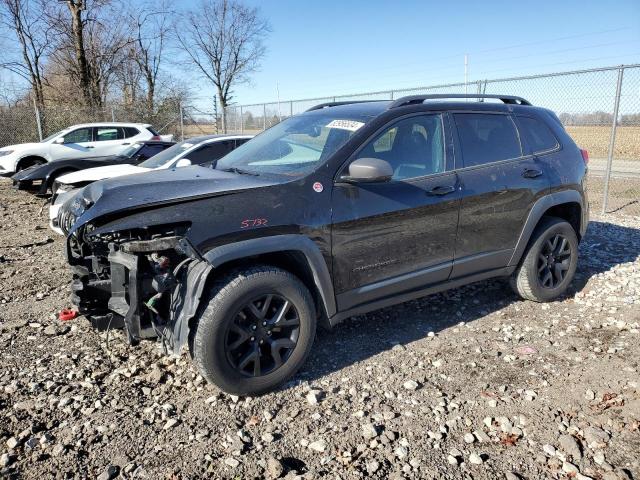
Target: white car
[[205, 151], [79, 141]]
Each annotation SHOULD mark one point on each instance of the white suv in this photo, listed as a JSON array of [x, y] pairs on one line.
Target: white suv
[[79, 141]]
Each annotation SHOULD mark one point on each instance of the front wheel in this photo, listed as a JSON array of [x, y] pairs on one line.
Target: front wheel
[[549, 263], [256, 331]]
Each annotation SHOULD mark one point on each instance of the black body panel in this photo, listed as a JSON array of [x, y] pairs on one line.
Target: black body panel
[[363, 245]]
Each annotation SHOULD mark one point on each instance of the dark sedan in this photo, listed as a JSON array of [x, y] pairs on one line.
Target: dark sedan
[[43, 176]]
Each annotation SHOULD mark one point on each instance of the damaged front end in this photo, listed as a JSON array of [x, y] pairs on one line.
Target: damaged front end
[[138, 280]]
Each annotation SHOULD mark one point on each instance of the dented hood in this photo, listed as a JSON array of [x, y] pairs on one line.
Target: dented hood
[[159, 187]]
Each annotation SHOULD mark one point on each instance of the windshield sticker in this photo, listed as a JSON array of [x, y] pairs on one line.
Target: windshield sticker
[[350, 125]]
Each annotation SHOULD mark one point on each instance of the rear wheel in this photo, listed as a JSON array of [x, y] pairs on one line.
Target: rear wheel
[[549, 263], [256, 331]]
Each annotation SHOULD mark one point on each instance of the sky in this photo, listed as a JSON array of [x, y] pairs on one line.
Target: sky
[[337, 47]]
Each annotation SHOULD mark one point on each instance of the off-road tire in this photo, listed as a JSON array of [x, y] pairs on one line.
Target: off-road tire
[[525, 280], [228, 295]]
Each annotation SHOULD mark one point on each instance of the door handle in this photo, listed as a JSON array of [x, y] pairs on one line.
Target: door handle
[[531, 173], [88, 146], [441, 190]]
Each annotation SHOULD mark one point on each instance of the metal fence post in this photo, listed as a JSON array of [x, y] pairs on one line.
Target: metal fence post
[[38, 123], [264, 116], [224, 119], [612, 141], [241, 121], [113, 114], [391, 94], [181, 122], [291, 108]]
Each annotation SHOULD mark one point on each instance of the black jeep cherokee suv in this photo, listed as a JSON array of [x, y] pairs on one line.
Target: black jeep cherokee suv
[[346, 208]]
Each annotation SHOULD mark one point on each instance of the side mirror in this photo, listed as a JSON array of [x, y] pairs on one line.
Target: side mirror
[[59, 141], [367, 170], [183, 162]]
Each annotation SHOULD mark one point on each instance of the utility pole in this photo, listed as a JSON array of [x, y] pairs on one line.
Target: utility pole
[[466, 73], [215, 112]]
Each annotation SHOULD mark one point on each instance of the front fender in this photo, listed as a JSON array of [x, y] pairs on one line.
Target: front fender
[[281, 243]]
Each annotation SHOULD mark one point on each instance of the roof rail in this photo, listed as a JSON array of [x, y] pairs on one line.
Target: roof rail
[[320, 106], [417, 99]]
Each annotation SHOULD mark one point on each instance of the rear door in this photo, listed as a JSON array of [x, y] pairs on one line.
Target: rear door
[[399, 235], [109, 140], [499, 185]]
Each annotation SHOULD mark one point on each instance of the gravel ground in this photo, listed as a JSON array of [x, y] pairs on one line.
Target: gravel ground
[[471, 383]]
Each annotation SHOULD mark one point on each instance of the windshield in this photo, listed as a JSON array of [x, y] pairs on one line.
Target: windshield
[[294, 147], [167, 155], [51, 137], [132, 150]]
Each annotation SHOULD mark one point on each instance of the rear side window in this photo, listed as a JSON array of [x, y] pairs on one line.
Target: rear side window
[[131, 132], [537, 135], [104, 134], [210, 152], [486, 138], [149, 151]]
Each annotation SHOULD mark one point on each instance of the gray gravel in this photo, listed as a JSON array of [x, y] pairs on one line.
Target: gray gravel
[[471, 383]]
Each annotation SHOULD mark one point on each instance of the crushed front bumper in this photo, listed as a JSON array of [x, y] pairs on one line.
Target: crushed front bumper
[[124, 298]]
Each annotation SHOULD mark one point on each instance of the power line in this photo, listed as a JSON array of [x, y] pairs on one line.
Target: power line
[[349, 80]]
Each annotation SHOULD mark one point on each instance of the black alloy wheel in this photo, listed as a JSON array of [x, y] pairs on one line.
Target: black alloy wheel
[[554, 261], [263, 335]]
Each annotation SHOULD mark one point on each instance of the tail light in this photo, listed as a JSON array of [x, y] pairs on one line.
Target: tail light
[[585, 156], [156, 137]]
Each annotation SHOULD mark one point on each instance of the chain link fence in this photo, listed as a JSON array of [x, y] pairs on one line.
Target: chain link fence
[[21, 124], [587, 101]]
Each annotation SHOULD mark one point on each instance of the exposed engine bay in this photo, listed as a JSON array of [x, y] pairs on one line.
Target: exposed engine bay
[[136, 280]]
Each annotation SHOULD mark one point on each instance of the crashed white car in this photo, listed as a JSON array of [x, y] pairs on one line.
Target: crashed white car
[[204, 150], [78, 141]]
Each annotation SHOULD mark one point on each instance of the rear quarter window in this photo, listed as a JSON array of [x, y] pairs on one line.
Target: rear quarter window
[[537, 134], [131, 132]]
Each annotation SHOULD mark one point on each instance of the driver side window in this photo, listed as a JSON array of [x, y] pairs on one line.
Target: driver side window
[[414, 147]]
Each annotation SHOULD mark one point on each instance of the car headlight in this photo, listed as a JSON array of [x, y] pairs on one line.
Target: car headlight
[[5, 152], [80, 205]]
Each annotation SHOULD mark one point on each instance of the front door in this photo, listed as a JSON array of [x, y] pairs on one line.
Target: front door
[[394, 236], [77, 143]]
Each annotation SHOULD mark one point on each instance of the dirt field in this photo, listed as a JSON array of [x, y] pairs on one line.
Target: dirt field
[[472, 383], [596, 139]]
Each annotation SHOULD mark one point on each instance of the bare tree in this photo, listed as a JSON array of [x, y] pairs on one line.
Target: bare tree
[[91, 47], [224, 41], [76, 7], [28, 22], [151, 31]]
